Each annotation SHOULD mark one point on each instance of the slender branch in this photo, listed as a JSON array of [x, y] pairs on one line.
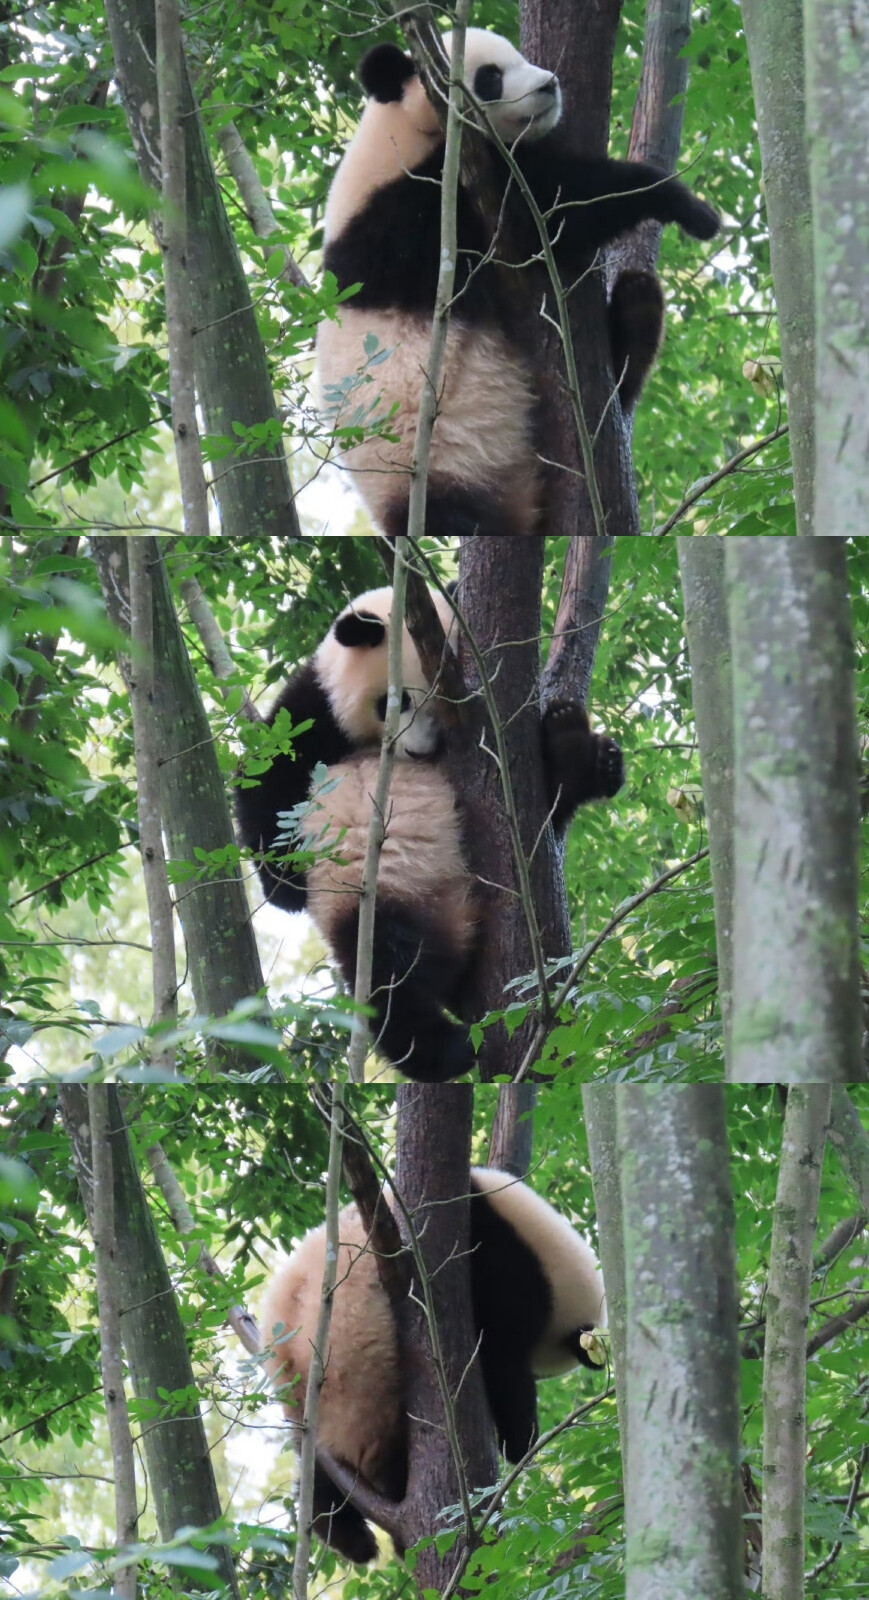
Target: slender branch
[[836, 1325], [111, 1359], [853, 1496], [590, 949], [160, 907], [586, 442], [705, 484], [255, 200], [359, 1036], [317, 1370], [214, 644], [172, 237], [501, 756]]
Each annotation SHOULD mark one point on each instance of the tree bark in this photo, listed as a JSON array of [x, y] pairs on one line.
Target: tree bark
[[223, 960], [683, 1501], [774, 33], [500, 601], [837, 84], [252, 488], [796, 984], [787, 1316], [701, 563], [431, 1178], [177, 1456], [599, 1106]]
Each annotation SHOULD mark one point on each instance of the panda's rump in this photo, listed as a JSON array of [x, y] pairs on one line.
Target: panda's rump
[[483, 435], [361, 1417], [421, 863]]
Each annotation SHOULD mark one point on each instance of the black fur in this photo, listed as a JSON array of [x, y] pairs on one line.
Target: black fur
[[636, 323], [414, 976], [455, 511], [288, 780], [393, 245], [384, 71], [580, 765], [360, 629], [512, 1304]]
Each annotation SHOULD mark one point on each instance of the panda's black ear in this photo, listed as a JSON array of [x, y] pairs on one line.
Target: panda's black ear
[[453, 588], [360, 630], [384, 71]]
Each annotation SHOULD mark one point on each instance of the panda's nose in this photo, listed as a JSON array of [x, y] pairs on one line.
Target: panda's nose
[[550, 86]]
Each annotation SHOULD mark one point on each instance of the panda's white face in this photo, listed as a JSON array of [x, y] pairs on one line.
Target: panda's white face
[[352, 666], [520, 100]]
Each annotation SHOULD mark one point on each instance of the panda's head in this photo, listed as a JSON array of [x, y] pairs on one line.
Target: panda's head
[[519, 99], [352, 667]]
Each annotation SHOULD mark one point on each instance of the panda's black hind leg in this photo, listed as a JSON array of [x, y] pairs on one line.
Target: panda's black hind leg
[[414, 977], [339, 1524]]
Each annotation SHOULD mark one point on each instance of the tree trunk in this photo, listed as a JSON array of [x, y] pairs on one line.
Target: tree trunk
[[784, 1363], [221, 950], [774, 32], [599, 1106], [837, 83], [701, 563], [176, 1449], [252, 488], [683, 1495], [796, 980], [432, 1161]]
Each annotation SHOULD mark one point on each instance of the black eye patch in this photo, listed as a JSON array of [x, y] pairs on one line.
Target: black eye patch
[[489, 83], [381, 705]]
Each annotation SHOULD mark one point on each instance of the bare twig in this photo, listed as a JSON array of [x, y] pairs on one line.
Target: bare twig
[[853, 1497], [836, 1325], [377, 826], [590, 949], [706, 484]]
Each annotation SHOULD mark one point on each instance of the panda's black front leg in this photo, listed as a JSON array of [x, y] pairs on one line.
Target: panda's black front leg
[[580, 765]]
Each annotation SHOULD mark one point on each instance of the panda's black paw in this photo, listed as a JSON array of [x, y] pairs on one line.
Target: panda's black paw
[[610, 766], [580, 765]]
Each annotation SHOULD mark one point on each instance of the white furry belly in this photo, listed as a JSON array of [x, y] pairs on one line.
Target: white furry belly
[[421, 863], [483, 434]]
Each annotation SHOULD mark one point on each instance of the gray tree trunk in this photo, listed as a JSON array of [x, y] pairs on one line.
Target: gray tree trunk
[[796, 981], [701, 563], [683, 1494], [222, 955], [252, 489], [774, 32], [784, 1364], [837, 83], [177, 1456]]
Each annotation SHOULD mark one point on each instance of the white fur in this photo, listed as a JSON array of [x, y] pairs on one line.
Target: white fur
[[482, 435], [568, 1263], [421, 862], [360, 1404], [356, 678], [524, 108]]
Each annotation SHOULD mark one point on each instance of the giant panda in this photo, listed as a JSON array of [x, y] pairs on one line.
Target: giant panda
[[426, 914], [536, 1293], [382, 230]]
